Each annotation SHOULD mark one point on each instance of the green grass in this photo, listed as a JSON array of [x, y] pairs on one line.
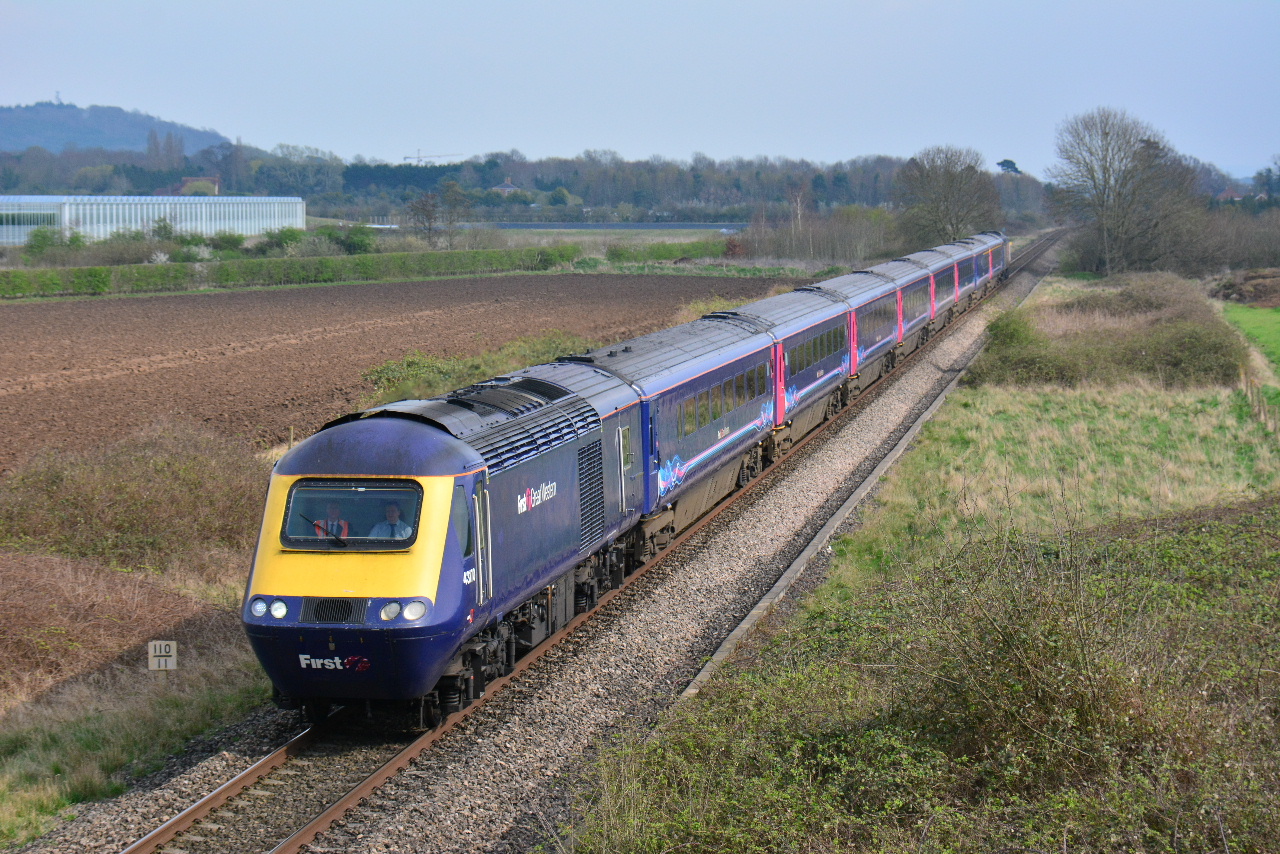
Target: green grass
[[1036, 457], [1111, 690], [421, 375], [1261, 325]]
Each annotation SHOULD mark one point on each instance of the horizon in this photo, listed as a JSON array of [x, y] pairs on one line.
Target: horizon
[[820, 81]]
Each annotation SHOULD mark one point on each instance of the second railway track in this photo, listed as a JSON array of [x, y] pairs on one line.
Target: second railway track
[[484, 783]]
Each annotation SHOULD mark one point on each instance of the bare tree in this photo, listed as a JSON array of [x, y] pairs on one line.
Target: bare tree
[[1132, 191], [456, 205], [947, 195], [424, 214]]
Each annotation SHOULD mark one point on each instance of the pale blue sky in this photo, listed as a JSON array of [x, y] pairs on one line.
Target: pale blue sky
[[813, 79]]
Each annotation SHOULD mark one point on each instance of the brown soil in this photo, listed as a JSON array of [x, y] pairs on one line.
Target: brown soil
[[255, 363]]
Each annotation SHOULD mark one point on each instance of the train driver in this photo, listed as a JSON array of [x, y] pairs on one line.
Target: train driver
[[394, 527]]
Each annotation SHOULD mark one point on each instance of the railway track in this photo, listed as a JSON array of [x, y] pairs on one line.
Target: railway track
[[278, 800]]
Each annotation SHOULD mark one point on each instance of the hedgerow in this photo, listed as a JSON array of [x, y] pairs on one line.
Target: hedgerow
[[666, 251], [154, 278]]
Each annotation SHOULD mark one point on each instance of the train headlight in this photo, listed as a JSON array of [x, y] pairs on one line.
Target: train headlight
[[390, 610], [279, 609], [257, 607], [415, 610]]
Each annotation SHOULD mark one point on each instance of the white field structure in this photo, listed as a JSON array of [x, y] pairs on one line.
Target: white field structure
[[98, 217]]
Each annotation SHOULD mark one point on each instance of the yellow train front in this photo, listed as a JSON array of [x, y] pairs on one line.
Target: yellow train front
[[347, 601]]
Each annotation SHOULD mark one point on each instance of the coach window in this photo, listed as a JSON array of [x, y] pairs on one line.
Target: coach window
[[704, 409], [690, 419], [743, 397], [762, 379], [730, 402], [717, 404]]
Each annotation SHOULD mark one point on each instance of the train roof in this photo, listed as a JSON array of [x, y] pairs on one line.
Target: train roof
[[935, 259], [402, 447], [900, 270], [653, 363], [786, 314], [983, 241], [857, 288], [506, 420]]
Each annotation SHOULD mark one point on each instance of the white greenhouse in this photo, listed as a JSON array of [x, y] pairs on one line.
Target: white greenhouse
[[98, 217]]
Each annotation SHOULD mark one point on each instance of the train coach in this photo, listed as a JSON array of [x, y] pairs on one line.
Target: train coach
[[412, 552]]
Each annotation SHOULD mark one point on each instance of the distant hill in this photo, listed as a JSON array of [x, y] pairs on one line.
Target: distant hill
[[55, 126]]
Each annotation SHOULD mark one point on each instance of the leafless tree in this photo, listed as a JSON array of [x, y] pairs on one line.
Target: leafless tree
[[947, 195], [456, 204], [424, 215], [1134, 193]]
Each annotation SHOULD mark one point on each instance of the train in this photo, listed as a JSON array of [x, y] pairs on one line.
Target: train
[[411, 553]]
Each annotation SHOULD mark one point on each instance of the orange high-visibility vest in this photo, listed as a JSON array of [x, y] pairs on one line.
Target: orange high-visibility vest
[[322, 528]]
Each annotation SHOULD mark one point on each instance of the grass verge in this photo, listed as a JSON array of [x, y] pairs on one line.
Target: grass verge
[[1099, 691], [108, 547], [173, 500], [84, 739], [1260, 325]]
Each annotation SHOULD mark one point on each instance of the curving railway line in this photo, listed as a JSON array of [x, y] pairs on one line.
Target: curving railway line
[[286, 800]]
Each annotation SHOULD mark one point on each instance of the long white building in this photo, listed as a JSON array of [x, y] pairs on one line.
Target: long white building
[[98, 217]]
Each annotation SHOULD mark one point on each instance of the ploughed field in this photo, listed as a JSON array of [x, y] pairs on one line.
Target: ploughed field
[[256, 363]]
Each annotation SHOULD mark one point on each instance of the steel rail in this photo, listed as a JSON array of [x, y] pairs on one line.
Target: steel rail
[[323, 821], [229, 790]]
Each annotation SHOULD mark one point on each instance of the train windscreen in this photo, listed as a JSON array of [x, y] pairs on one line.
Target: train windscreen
[[324, 514]]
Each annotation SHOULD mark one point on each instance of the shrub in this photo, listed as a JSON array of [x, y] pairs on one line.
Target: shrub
[[226, 240], [41, 240], [151, 500], [293, 270], [1156, 327]]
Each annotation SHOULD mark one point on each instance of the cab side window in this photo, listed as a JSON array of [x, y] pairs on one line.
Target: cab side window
[[460, 520]]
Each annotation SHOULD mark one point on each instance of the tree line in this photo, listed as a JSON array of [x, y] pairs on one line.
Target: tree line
[[1139, 204], [598, 183]]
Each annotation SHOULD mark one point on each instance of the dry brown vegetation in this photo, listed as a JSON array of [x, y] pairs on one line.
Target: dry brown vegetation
[[1259, 288], [60, 617]]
